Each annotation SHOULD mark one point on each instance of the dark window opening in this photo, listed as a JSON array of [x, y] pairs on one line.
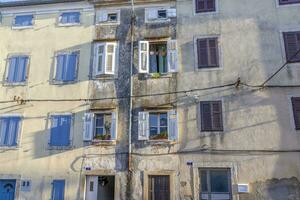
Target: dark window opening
[[162, 14], [159, 187], [112, 17], [158, 123], [284, 2], [158, 57], [205, 6]]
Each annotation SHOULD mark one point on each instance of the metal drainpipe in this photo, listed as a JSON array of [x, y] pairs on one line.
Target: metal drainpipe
[[131, 85]]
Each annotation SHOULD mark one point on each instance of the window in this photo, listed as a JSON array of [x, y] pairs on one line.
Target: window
[[284, 2], [158, 125], [66, 67], [58, 190], [9, 130], [203, 6], [60, 130], [211, 116], [105, 58], [207, 53], [17, 69], [215, 184], [69, 18], [158, 57], [159, 187], [292, 46], [100, 126], [296, 111], [109, 16], [23, 21], [159, 14]]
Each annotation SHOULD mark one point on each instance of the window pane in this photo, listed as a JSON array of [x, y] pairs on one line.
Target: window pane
[[153, 120], [163, 119], [109, 63], [99, 131], [24, 20], [162, 14], [219, 181], [203, 176], [70, 18], [99, 120]]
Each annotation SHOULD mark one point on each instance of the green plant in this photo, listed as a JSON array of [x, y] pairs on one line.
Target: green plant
[[156, 75]]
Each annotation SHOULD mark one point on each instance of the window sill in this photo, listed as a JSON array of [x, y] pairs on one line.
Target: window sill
[[54, 82], [167, 20], [153, 75], [14, 84], [287, 5], [204, 69], [68, 25], [9, 148], [60, 148], [206, 13], [21, 27], [104, 77], [108, 23], [98, 142], [161, 142]]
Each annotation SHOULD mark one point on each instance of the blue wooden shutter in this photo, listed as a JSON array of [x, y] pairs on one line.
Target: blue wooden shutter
[[60, 130], [22, 64], [9, 128], [60, 66], [70, 72], [58, 190], [23, 20], [12, 69], [172, 125]]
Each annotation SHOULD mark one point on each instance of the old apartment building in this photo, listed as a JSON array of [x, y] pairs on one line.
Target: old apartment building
[[150, 99]]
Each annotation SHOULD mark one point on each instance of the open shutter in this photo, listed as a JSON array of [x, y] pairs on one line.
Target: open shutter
[[110, 58], [12, 69], [172, 125], [88, 126], [103, 16], [172, 56], [143, 126], [171, 12], [143, 57], [152, 14], [113, 127], [58, 190]]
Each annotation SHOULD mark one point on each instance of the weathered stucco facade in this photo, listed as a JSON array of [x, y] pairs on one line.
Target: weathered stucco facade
[[258, 145]]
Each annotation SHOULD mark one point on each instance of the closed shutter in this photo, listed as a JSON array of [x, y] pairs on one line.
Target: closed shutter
[[58, 190], [17, 69], [213, 52], [172, 125], [172, 56], [217, 120], [143, 57], [70, 71], [9, 129], [292, 46], [113, 127], [296, 111], [143, 123], [103, 16], [205, 6], [202, 53], [88, 126], [207, 51], [60, 130], [152, 14], [206, 121]]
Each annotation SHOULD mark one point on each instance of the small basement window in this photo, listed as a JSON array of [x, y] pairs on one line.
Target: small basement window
[[112, 17], [158, 123], [162, 14], [158, 57]]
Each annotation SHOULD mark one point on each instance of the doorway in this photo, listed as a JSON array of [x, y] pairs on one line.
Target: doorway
[[7, 189], [100, 188]]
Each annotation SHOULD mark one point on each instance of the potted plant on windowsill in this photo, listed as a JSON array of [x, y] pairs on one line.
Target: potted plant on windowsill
[[156, 75]]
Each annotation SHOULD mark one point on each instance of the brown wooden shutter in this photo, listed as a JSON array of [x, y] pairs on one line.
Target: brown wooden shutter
[[202, 53], [206, 118], [210, 5], [292, 46], [200, 5], [296, 111], [217, 119], [205, 6], [213, 52]]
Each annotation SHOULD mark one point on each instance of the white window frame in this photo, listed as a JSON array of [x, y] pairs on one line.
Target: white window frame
[[107, 12], [19, 131], [157, 19], [14, 27], [104, 61], [71, 139], [69, 24], [94, 125], [158, 125]]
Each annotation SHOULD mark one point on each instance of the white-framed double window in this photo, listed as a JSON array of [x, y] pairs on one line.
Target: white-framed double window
[[159, 14], [108, 17], [100, 126], [69, 18], [158, 57], [105, 58], [23, 21], [158, 125]]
